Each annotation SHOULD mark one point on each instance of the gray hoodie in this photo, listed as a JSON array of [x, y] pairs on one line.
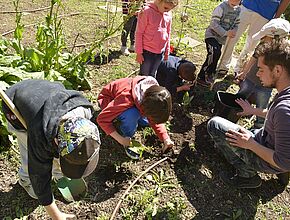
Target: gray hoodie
[[276, 132], [223, 18]]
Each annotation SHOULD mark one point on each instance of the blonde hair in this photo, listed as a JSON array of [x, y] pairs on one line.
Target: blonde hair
[[174, 2]]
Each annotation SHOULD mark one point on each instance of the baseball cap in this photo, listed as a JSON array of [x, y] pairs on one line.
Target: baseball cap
[[275, 27], [78, 145]]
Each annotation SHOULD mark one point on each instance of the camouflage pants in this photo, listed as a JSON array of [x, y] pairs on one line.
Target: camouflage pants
[[245, 161]]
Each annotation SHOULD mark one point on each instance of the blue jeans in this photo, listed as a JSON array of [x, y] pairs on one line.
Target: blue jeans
[[245, 161], [150, 64], [261, 97], [129, 121]]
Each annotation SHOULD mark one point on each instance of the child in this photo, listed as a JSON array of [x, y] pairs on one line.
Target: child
[[129, 26], [60, 140], [153, 35], [250, 85], [130, 102], [224, 23], [172, 73]]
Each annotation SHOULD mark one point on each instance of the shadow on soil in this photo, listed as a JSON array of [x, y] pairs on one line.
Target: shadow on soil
[[16, 208], [197, 170], [104, 58]]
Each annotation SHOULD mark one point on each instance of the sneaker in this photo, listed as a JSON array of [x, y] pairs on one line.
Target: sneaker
[[125, 51], [240, 182], [133, 153], [28, 187], [132, 48], [283, 178]]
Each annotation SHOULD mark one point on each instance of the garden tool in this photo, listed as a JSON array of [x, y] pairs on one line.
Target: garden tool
[[71, 189], [12, 107]]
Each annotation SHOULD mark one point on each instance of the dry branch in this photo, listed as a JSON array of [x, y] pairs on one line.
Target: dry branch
[[27, 11], [132, 184]]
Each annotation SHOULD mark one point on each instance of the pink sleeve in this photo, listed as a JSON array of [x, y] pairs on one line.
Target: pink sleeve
[[140, 31], [167, 49]]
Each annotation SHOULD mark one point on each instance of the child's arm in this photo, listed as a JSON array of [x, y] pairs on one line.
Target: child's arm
[[215, 22], [140, 31], [125, 141], [53, 211], [162, 134], [167, 49]]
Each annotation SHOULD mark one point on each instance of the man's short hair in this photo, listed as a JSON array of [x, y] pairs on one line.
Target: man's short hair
[[276, 52], [78, 145], [187, 70], [157, 104]]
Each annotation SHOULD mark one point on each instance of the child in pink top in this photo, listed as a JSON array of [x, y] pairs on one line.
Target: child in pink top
[[153, 35]]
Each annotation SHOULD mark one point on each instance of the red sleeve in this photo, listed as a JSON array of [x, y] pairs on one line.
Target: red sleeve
[[160, 130]]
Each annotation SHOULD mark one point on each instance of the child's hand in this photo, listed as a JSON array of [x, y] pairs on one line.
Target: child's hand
[[185, 87], [231, 33], [139, 58], [168, 144], [125, 141]]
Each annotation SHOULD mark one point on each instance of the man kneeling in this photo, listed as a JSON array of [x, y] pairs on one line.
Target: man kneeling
[[267, 149]]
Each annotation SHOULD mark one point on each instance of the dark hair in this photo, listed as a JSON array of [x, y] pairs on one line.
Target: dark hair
[[275, 52], [157, 104], [187, 70]]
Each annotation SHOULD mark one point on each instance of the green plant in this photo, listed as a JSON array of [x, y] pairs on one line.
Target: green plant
[[160, 180], [186, 100]]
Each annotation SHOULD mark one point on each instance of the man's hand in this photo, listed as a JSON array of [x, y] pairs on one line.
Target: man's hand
[[231, 33], [248, 109], [168, 144], [240, 138], [139, 58]]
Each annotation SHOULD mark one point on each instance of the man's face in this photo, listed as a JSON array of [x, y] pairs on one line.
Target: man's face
[[266, 76]]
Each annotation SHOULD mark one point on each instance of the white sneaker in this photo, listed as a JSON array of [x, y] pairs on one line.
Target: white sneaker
[[132, 49], [125, 51], [28, 187]]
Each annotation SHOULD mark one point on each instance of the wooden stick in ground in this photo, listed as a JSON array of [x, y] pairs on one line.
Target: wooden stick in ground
[[225, 47], [132, 184], [12, 107]]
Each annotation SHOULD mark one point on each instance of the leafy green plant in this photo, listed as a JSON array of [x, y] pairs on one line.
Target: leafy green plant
[[186, 100], [160, 180]]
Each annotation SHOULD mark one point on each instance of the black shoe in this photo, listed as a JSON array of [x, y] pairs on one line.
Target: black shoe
[[240, 182], [283, 178]]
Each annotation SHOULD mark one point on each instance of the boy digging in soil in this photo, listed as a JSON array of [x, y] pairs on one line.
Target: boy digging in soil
[[132, 102]]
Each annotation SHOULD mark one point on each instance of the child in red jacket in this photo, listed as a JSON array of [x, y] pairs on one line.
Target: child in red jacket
[[134, 101]]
